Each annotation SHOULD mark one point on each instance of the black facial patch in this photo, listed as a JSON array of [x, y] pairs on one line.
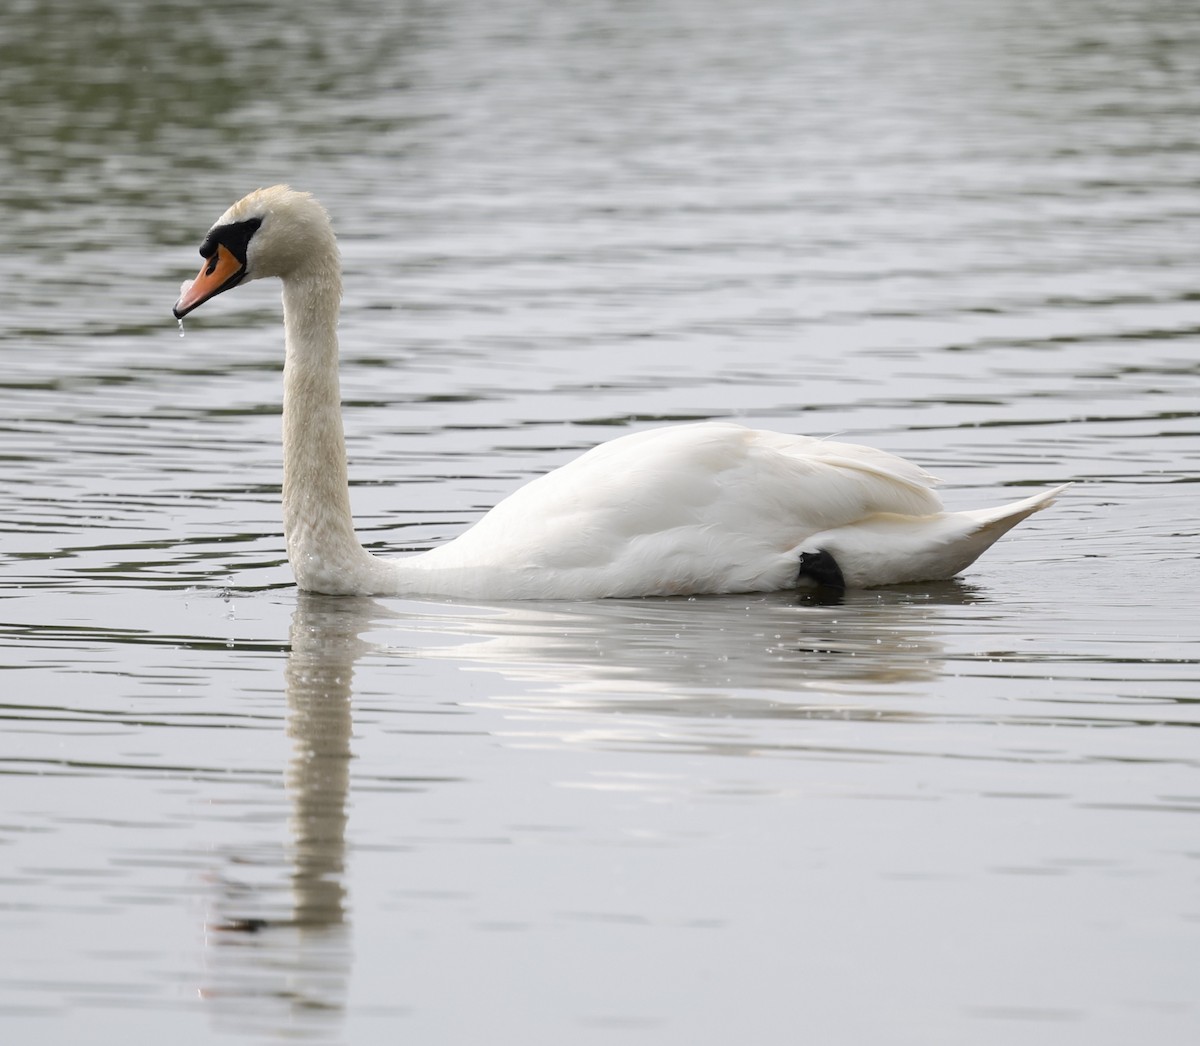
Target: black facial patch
[[235, 238], [820, 569]]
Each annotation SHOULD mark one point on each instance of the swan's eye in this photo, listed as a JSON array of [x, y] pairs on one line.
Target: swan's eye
[[236, 238]]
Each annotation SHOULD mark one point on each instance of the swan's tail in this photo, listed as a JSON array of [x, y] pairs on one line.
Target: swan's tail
[[891, 549], [994, 523], [975, 531]]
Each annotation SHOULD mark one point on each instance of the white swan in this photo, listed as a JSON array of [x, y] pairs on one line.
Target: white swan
[[687, 509]]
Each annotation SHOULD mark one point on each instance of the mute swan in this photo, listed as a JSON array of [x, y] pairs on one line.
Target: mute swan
[[686, 509]]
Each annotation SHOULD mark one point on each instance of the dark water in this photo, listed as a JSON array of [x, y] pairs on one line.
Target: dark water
[[956, 813]]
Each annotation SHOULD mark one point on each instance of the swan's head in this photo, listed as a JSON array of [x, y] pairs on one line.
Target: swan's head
[[271, 232]]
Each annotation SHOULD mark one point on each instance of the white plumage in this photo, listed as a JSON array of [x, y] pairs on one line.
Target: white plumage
[[688, 509]]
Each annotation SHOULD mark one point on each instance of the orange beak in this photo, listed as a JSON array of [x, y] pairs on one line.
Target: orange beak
[[220, 272]]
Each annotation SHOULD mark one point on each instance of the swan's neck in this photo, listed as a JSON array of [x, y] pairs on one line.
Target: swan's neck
[[317, 524]]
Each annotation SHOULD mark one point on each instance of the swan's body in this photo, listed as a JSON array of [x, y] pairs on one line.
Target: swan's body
[[687, 509]]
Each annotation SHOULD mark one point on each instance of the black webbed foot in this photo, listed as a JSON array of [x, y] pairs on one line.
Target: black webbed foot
[[820, 578]]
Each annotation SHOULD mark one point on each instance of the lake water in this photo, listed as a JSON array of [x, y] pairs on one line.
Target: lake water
[[966, 812]]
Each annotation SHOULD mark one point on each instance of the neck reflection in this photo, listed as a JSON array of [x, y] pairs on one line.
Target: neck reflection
[[280, 950]]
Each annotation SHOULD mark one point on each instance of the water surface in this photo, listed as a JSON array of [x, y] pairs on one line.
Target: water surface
[[954, 812]]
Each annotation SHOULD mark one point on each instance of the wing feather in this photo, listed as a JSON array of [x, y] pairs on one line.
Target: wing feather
[[688, 493]]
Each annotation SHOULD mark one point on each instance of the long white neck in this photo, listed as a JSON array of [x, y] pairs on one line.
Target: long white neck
[[324, 552]]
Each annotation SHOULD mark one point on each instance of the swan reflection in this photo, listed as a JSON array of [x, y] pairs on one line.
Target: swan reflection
[[281, 955], [745, 654]]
